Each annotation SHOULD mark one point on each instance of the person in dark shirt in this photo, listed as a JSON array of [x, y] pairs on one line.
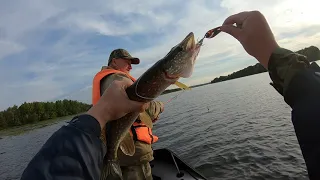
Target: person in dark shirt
[[76, 152]]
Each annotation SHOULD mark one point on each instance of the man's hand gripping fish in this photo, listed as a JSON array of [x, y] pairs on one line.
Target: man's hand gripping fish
[[179, 62]]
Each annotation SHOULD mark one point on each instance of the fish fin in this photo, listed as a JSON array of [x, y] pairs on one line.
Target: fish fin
[[111, 170], [145, 118], [182, 86], [127, 145]]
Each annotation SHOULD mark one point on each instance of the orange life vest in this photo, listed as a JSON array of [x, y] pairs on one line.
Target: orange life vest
[[96, 82], [139, 131]]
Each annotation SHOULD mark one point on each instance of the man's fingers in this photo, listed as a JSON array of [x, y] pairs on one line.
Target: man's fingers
[[161, 106], [233, 31], [124, 83], [134, 106], [236, 18]]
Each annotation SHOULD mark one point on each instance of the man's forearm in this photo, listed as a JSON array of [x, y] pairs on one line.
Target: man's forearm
[[73, 152], [304, 95], [299, 83]]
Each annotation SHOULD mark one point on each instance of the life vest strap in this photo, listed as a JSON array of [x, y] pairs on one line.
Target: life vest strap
[[134, 133], [149, 130]]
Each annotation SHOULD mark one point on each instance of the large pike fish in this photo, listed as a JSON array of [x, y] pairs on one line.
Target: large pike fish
[[179, 62]]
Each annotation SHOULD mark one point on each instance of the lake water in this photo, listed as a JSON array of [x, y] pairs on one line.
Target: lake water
[[238, 129]]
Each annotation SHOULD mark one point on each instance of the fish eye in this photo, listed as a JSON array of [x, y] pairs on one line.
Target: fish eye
[[180, 48]]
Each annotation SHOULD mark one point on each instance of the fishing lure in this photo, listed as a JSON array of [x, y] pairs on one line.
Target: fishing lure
[[210, 34]]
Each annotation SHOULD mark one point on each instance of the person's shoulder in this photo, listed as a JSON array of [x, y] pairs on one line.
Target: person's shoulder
[[106, 81], [115, 76]]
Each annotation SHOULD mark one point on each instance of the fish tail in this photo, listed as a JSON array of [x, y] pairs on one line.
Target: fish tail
[[111, 170]]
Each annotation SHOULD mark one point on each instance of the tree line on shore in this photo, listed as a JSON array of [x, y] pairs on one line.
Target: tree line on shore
[[33, 112], [312, 53]]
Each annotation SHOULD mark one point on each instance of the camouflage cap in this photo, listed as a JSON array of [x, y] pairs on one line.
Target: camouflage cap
[[123, 54]]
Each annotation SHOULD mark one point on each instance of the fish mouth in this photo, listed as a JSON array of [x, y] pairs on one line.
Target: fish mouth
[[189, 42], [188, 51]]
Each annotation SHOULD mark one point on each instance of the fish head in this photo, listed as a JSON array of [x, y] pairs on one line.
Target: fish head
[[179, 62]]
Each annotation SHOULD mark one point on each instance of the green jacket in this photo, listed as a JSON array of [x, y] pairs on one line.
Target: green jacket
[[144, 152]]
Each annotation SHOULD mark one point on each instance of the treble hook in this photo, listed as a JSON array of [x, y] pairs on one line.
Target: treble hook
[[201, 41]]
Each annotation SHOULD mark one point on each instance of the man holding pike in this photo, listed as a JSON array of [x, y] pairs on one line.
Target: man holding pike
[[136, 166]]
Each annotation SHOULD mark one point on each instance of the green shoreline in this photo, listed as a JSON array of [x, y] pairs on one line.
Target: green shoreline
[[17, 130]]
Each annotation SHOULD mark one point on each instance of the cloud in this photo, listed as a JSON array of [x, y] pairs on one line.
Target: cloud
[[51, 49], [33, 90], [9, 47]]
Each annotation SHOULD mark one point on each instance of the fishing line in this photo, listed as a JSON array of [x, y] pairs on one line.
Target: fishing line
[[204, 26], [174, 97]]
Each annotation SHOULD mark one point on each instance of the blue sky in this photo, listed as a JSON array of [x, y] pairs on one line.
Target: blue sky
[[51, 49]]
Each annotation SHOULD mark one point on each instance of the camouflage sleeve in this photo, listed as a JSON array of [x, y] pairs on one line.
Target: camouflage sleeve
[[283, 66], [105, 82], [155, 109]]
